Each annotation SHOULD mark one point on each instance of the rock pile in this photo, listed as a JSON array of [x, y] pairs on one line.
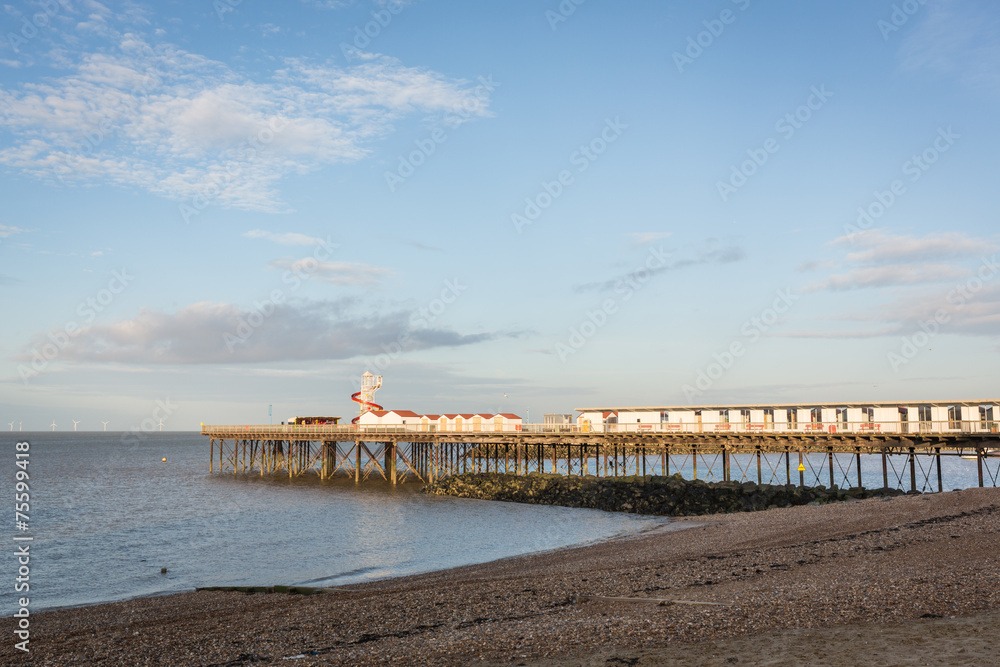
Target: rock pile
[[668, 496]]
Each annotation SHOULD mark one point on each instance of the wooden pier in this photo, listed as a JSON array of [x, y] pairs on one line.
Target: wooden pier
[[396, 454]]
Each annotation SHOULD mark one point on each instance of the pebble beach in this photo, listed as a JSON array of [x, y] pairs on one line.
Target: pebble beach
[[904, 580]]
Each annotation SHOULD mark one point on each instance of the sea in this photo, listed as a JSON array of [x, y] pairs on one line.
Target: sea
[[107, 515]]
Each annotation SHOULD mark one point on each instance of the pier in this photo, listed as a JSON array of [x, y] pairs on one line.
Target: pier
[[416, 453]]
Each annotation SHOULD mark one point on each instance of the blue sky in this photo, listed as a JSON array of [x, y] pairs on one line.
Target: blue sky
[[210, 208]]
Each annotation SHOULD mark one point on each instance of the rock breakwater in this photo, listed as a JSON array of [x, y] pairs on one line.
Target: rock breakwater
[[666, 496]]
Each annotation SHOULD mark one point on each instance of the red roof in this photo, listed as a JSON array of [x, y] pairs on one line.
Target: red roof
[[510, 415]]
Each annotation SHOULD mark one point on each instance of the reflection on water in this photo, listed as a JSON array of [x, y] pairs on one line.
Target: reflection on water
[[107, 516]]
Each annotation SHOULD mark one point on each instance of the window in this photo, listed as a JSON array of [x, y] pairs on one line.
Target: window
[[745, 417], [868, 415], [792, 417], [816, 415], [924, 416], [842, 417], [723, 416], [954, 416], [769, 417], [985, 416], [664, 416]]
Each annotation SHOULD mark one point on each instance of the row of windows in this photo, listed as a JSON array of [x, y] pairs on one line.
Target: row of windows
[[790, 415]]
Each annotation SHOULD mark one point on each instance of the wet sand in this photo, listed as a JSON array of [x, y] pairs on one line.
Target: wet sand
[[909, 580]]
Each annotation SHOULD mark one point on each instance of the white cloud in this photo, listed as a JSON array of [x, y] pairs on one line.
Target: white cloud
[[286, 238], [183, 126], [337, 273], [888, 276], [878, 247], [209, 333], [877, 259], [7, 231]]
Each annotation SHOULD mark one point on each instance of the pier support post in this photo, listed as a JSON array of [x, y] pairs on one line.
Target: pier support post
[[913, 471], [979, 462], [830, 454], [725, 464], [885, 471], [857, 459], [390, 462], [937, 456], [802, 470], [357, 461], [760, 471]]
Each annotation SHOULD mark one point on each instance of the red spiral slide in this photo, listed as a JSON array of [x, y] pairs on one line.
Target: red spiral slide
[[365, 404]]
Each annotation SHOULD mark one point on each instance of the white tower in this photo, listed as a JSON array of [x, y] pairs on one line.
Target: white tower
[[366, 397], [75, 422], [53, 424], [105, 425]]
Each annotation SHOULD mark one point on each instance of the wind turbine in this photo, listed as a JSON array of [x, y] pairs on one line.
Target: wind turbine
[[161, 425], [75, 422], [11, 425], [105, 425], [53, 424], [19, 425]]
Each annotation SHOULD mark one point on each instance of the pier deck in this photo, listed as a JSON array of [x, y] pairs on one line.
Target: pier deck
[[408, 453]]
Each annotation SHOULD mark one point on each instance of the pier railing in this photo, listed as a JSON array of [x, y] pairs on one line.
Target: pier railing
[[807, 428]]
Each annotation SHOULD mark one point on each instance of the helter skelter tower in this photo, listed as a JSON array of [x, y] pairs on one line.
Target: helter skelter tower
[[366, 397]]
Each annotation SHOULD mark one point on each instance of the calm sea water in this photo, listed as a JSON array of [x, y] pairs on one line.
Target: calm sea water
[[107, 515]]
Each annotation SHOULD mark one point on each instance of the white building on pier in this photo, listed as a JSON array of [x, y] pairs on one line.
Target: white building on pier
[[967, 416]]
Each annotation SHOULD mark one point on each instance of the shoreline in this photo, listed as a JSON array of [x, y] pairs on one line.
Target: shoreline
[[661, 523], [873, 567]]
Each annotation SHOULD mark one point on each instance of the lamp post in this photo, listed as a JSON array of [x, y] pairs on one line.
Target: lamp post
[[270, 422]]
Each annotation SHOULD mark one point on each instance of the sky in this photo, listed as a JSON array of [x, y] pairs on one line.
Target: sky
[[213, 208]]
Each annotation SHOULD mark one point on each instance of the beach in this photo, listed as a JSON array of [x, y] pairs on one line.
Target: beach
[[906, 580]]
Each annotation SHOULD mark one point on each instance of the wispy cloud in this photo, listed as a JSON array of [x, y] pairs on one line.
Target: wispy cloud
[[713, 254], [337, 273], [284, 238], [203, 333], [642, 238], [868, 333], [422, 246], [878, 247], [957, 38], [6, 231], [877, 259], [180, 125], [889, 276]]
